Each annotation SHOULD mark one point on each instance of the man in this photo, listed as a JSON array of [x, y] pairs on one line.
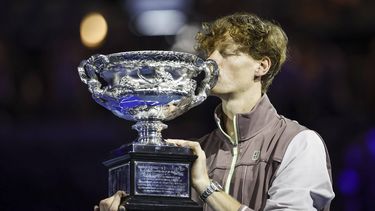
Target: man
[[256, 159]]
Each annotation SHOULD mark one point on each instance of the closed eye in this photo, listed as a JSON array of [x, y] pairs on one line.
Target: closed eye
[[228, 53]]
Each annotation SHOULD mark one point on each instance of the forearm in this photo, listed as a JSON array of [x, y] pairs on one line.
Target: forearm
[[218, 200], [223, 201]]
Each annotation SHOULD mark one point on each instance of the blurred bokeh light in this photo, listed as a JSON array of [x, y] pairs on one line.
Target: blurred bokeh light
[[93, 30], [158, 22]]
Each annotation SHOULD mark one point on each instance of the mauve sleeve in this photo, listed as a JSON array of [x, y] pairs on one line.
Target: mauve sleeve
[[302, 181]]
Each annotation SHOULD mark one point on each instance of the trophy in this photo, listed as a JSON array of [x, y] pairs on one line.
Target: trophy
[[149, 87]]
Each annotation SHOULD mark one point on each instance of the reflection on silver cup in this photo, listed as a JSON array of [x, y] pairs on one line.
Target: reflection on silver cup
[[148, 86]]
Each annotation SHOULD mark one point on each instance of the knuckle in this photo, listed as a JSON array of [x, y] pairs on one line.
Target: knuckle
[[96, 208], [198, 148], [196, 144], [104, 202]]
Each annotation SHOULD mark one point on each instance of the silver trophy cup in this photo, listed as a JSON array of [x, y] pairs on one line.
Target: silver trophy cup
[[150, 87]]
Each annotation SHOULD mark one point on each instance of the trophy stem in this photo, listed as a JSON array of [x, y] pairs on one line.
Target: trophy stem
[[149, 132]]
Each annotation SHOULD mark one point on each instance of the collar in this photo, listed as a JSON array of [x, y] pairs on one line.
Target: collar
[[250, 124]]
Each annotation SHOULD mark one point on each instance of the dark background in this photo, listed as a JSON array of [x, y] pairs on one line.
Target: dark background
[[53, 136]]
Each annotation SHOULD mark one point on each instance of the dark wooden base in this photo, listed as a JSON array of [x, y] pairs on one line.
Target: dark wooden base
[[125, 167], [134, 203]]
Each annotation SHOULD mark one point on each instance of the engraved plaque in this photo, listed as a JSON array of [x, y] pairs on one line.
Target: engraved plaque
[[119, 179], [162, 179]]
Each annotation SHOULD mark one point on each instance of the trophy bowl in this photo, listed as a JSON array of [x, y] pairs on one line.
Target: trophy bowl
[[148, 86]]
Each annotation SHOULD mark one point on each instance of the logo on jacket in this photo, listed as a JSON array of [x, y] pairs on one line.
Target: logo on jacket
[[256, 155]]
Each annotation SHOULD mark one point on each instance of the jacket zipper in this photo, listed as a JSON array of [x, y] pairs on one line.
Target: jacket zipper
[[234, 157]]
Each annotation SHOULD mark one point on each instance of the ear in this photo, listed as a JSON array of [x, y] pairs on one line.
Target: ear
[[264, 66]]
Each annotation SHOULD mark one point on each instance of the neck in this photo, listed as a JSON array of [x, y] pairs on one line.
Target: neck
[[238, 103]]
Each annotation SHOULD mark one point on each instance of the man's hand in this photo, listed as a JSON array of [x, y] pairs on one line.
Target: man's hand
[[199, 173], [112, 203]]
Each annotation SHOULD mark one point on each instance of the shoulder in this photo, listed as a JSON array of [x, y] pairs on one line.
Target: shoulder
[[306, 148], [306, 140], [287, 131], [306, 151], [292, 126]]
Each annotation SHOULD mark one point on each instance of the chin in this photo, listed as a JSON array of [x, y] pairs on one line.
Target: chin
[[214, 91], [217, 92]]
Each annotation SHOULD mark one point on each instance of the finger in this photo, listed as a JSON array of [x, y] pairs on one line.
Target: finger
[[96, 208], [116, 200], [195, 146], [179, 142], [105, 203], [173, 141]]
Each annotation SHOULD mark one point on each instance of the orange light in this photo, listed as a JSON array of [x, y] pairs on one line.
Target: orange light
[[93, 30]]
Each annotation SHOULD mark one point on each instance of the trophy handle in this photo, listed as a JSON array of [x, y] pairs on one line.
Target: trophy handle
[[87, 70], [211, 71]]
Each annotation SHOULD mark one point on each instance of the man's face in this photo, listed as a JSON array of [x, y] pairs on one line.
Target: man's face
[[236, 69]]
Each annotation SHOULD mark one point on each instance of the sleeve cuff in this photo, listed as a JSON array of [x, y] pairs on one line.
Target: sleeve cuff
[[244, 208]]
